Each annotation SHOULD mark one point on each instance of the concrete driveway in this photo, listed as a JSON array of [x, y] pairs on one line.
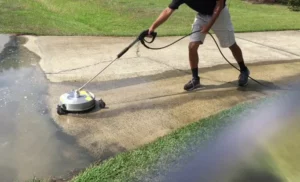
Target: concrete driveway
[[144, 89]]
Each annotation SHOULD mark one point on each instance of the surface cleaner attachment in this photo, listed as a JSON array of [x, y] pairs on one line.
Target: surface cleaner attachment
[[77, 102]]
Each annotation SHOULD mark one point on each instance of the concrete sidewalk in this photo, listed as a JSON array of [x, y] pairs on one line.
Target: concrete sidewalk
[[144, 89]]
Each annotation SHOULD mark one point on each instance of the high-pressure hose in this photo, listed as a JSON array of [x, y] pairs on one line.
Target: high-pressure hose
[[158, 48]]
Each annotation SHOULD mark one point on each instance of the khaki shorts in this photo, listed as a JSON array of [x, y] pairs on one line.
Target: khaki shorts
[[222, 27]]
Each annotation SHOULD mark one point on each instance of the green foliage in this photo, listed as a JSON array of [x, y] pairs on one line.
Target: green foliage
[[294, 5], [283, 2]]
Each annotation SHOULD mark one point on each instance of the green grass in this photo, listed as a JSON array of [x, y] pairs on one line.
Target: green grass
[[128, 17], [285, 151], [165, 152]]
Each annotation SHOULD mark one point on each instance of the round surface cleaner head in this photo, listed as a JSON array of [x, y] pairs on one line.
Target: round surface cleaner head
[[77, 101]]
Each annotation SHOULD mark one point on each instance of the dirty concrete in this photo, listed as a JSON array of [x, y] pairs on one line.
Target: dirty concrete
[[140, 113]]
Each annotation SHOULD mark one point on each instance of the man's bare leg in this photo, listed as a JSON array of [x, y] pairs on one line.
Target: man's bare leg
[[238, 55], [194, 60]]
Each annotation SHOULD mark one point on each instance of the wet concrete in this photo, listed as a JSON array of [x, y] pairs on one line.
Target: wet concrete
[[31, 144]]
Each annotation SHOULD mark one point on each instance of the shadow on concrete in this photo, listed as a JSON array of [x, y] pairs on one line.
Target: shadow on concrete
[[262, 85], [215, 91], [199, 94], [251, 175], [207, 92], [114, 84], [15, 57]]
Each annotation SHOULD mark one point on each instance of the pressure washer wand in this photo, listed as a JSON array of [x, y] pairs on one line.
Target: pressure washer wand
[[127, 48], [141, 37], [96, 75]]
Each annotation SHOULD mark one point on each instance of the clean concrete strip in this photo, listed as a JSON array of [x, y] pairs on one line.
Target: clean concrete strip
[[80, 58], [286, 41]]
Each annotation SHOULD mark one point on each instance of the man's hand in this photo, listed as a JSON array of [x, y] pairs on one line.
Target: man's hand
[[205, 29], [217, 10], [150, 31]]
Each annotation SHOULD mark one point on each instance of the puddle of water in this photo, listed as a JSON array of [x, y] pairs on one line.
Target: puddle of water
[[31, 145]]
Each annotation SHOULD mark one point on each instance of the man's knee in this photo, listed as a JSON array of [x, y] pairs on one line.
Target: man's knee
[[233, 46], [193, 46]]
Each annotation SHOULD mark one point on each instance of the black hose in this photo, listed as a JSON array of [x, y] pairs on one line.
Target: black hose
[[158, 48]]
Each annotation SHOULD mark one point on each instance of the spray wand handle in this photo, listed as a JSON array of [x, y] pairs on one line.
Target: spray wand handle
[[145, 34], [127, 48], [141, 38]]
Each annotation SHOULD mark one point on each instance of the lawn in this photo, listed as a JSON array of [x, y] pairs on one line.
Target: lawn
[[128, 17], [150, 162], [285, 151]]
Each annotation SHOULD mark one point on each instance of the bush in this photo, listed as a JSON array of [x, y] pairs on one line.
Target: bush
[[284, 2], [294, 5]]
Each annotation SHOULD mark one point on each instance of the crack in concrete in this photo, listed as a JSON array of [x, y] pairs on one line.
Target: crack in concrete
[[278, 49], [87, 66], [83, 67], [74, 69], [159, 62]]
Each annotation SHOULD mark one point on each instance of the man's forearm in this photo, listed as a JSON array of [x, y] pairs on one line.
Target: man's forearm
[[217, 11], [165, 14]]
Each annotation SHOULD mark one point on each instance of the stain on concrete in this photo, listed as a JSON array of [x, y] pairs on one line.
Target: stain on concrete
[[153, 106]]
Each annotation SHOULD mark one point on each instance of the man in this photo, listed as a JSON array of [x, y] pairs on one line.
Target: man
[[211, 14]]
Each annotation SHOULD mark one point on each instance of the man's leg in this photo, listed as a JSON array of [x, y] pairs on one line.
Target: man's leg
[[195, 40], [194, 58], [238, 55], [223, 29]]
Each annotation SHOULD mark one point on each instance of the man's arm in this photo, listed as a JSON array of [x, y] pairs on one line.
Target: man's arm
[[165, 14], [219, 7]]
